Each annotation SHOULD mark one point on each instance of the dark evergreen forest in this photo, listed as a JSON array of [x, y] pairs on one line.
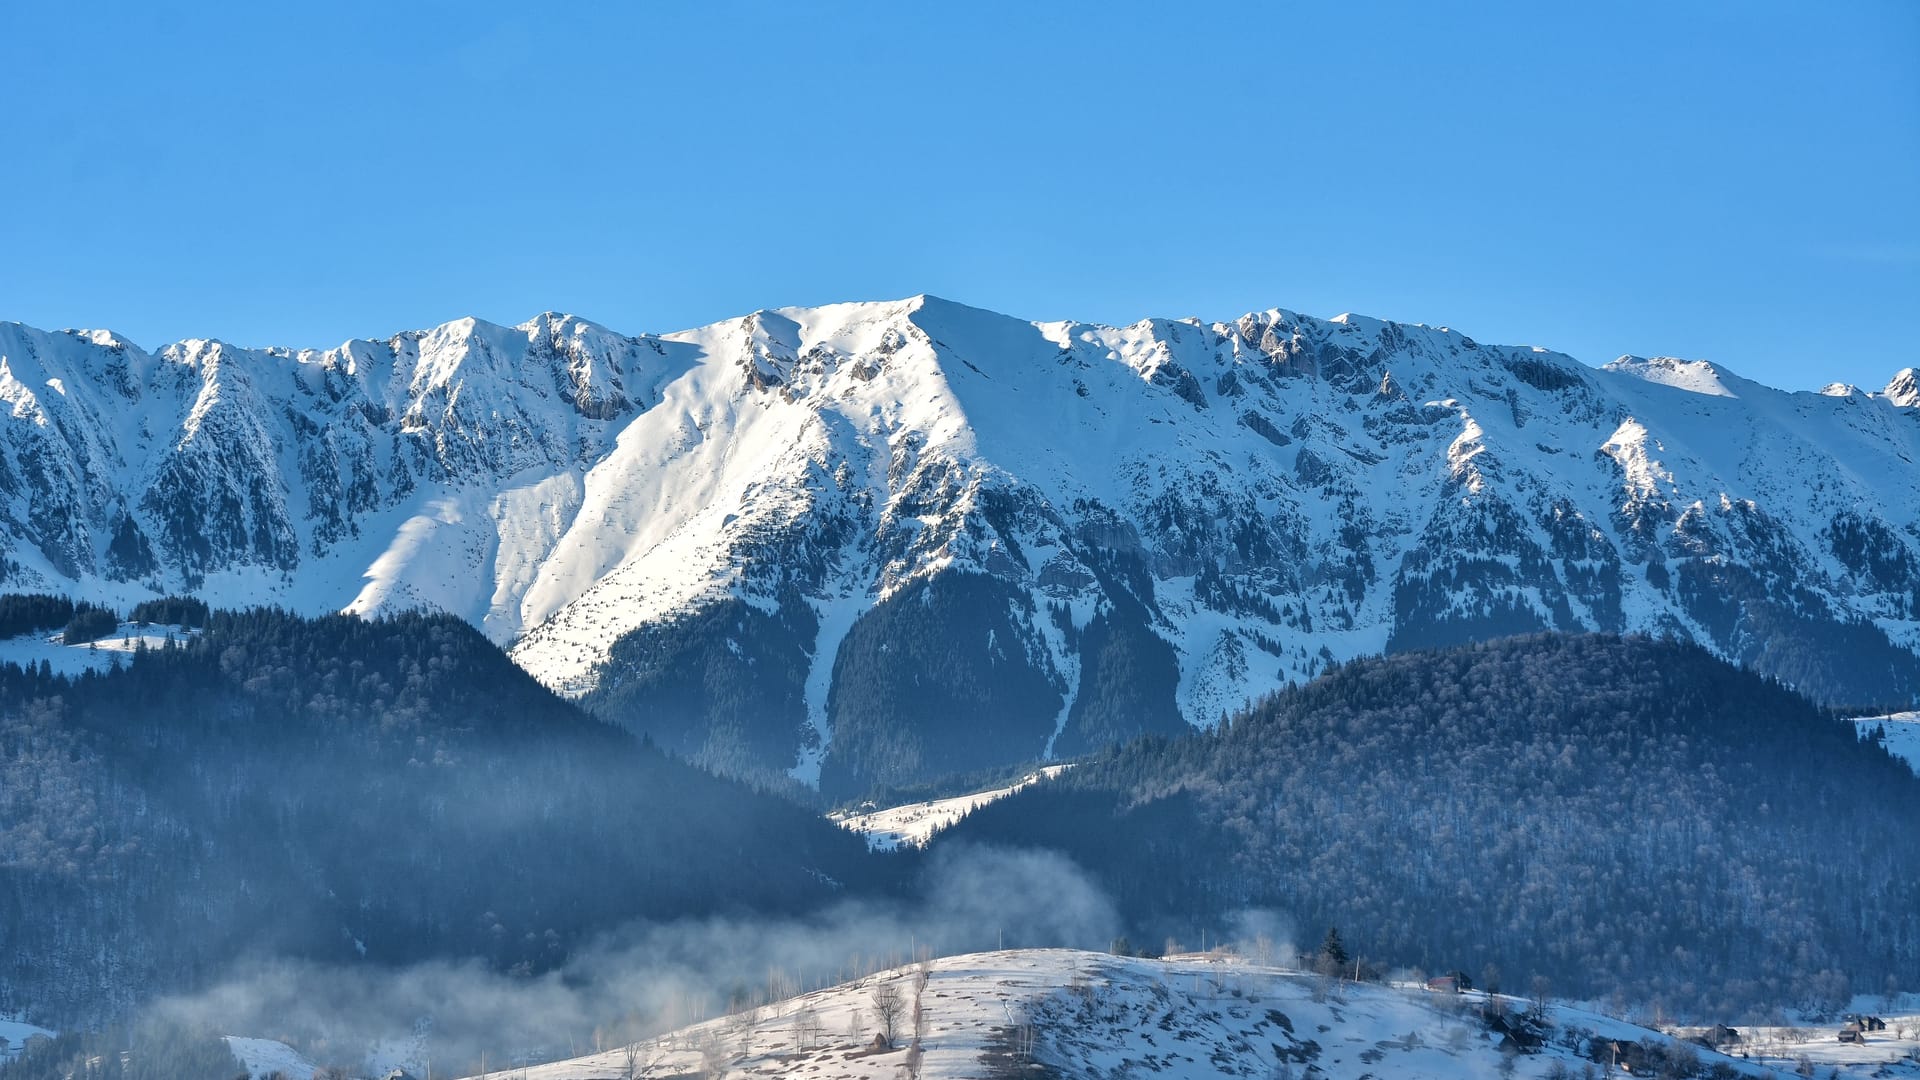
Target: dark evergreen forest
[[1618, 816], [724, 685], [720, 686], [340, 789], [148, 1051]]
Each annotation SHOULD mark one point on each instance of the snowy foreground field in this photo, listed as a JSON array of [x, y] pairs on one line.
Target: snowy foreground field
[[913, 824], [1062, 1013]]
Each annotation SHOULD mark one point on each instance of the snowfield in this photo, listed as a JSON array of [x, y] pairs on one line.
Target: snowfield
[[1082, 1014], [264, 1057], [118, 647], [1894, 1052], [914, 824], [16, 1033], [1903, 734]]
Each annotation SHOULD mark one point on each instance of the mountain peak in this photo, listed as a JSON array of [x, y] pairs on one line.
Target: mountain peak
[[1693, 376], [940, 307], [106, 339], [1904, 388], [561, 323]]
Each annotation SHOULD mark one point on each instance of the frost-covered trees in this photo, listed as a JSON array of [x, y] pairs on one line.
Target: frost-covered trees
[[1607, 813]]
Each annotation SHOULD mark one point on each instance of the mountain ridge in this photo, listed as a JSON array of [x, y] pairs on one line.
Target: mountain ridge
[[1203, 511]]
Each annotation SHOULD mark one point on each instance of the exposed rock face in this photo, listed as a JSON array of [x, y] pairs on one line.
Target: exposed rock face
[[868, 542]]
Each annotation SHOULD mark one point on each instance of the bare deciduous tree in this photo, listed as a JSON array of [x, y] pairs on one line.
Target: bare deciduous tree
[[742, 1032], [638, 1059], [1023, 1030], [1538, 995], [713, 1054], [806, 1028], [888, 1003]]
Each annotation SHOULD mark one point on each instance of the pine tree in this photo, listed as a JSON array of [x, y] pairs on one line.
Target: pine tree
[[1335, 950]]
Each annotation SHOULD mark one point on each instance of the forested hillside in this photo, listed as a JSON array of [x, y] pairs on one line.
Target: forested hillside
[[341, 789], [1613, 815]]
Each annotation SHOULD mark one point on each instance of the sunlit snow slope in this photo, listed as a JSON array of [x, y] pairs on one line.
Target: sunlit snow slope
[[1900, 733], [1058, 1013], [914, 824]]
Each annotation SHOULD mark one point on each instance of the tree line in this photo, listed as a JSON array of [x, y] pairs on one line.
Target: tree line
[[335, 788], [1618, 816]]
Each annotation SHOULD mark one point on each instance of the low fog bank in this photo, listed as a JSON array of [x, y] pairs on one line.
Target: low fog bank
[[648, 977]]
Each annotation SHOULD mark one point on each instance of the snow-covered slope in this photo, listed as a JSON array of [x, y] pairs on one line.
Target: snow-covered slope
[[1902, 734], [913, 824], [1062, 1013], [882, 515], [265, 1058], [107, 652], [14, 1035]]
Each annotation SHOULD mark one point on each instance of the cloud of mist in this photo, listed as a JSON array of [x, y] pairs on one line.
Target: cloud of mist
[[1265, 934], [649, 977]]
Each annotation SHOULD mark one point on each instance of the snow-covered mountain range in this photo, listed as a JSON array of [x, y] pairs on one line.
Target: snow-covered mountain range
[[872, 542]]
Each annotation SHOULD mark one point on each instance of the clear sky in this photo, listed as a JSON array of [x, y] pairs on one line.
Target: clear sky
[[1737, 182]]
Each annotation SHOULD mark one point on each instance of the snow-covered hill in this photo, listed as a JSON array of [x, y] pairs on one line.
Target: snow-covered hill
[[1060, 1013], [886, 517]]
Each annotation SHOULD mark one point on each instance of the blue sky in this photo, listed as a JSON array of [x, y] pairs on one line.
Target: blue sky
[[1738, 182]]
